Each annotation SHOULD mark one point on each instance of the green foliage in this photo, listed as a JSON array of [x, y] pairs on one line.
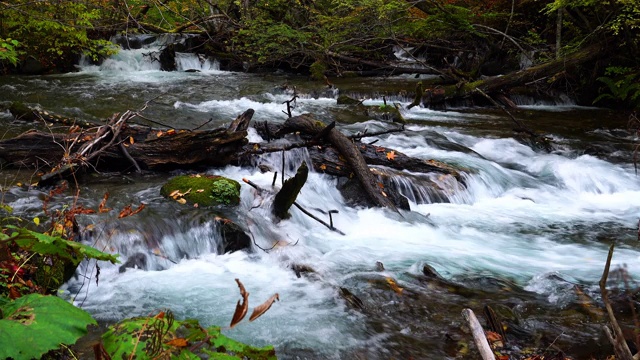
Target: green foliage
[[54, 246], [317, 70], [162, 336], [203, 190], [35, 324], [8, 50], [54, 32], [624, 88], [225, 191]]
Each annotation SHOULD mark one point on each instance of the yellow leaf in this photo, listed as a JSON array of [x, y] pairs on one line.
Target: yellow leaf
[[179, 342], [174, 193], [323, 167], [394, 286], [182, 201], [131, 140], [159, 133], [171, 132], [391, 155], [36, 221], [256, 147]]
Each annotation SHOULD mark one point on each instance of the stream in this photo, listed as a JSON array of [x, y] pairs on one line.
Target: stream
[[527, 230]]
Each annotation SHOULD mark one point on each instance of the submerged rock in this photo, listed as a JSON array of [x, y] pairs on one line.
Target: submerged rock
[[204, 190]]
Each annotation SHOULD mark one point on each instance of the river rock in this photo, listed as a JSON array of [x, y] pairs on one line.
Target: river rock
[[204, 190], [384, 112], [32, 66]]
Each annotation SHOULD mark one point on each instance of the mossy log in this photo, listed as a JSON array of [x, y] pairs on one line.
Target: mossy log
[[519, 78]]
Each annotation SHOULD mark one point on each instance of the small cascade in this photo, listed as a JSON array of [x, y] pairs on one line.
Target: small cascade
[[195, 62], [144, 53]]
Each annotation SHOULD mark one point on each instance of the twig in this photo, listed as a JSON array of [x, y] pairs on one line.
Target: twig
[[331, 227], [198, 127], [619, 344], [364, 134], [126, 154]]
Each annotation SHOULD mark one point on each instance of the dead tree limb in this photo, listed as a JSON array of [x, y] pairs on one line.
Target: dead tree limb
[[619, 344], [287, 195], [478, 335], [308, 124]]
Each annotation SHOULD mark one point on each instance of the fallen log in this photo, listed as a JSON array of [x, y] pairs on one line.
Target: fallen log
[[308, 124], [101, 147], [495, 84]]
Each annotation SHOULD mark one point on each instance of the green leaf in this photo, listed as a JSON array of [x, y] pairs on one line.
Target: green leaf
[[149, 337], [54, 245], [35, 324]]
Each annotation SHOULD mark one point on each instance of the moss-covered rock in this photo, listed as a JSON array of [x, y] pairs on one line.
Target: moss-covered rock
[[347, 100], [204, 190], [384, 112]]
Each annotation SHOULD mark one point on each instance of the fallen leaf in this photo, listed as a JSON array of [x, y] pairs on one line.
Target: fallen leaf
[[195, 205], [160, 315], [262, 308], [131, 140], [182, 201], [174, 193], [241, 308], [384, 193], [256, 146], [159, 133], [493, 336], [171, 132], [200, 190], [102, 207], [381, 185], [127, 211], [198, 175], [323, 167], [179, 342], [394, 286], [391, 155]]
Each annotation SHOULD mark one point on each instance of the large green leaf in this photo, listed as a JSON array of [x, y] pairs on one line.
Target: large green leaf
[[162, 336], [57, 246], [35, 324]]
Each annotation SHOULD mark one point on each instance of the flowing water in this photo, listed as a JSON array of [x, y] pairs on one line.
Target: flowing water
[[528, 227]]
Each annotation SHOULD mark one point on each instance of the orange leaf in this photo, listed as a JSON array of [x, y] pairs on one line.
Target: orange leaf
[[131, 140], [171, 132], [127, 211], [391, 155], [159, 133], [102, 207], [394, 286], [160, 315], [179, 342], [241, 308], [381, 185], [262, 308], [493, 336], [323, 167]]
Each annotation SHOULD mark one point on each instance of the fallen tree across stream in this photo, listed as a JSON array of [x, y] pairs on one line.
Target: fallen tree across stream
[[119, 144]]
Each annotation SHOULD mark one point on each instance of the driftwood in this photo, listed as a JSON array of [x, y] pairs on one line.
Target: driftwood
[[308, 124], [478, 335]]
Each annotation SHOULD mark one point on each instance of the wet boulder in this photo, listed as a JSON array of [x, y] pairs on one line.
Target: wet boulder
[[204, 190]]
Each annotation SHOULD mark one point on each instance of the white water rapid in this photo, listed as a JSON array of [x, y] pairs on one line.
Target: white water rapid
[[542, 221]]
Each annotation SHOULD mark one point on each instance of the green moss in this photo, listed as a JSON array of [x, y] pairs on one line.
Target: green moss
[[204, 190], [317, 70]]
